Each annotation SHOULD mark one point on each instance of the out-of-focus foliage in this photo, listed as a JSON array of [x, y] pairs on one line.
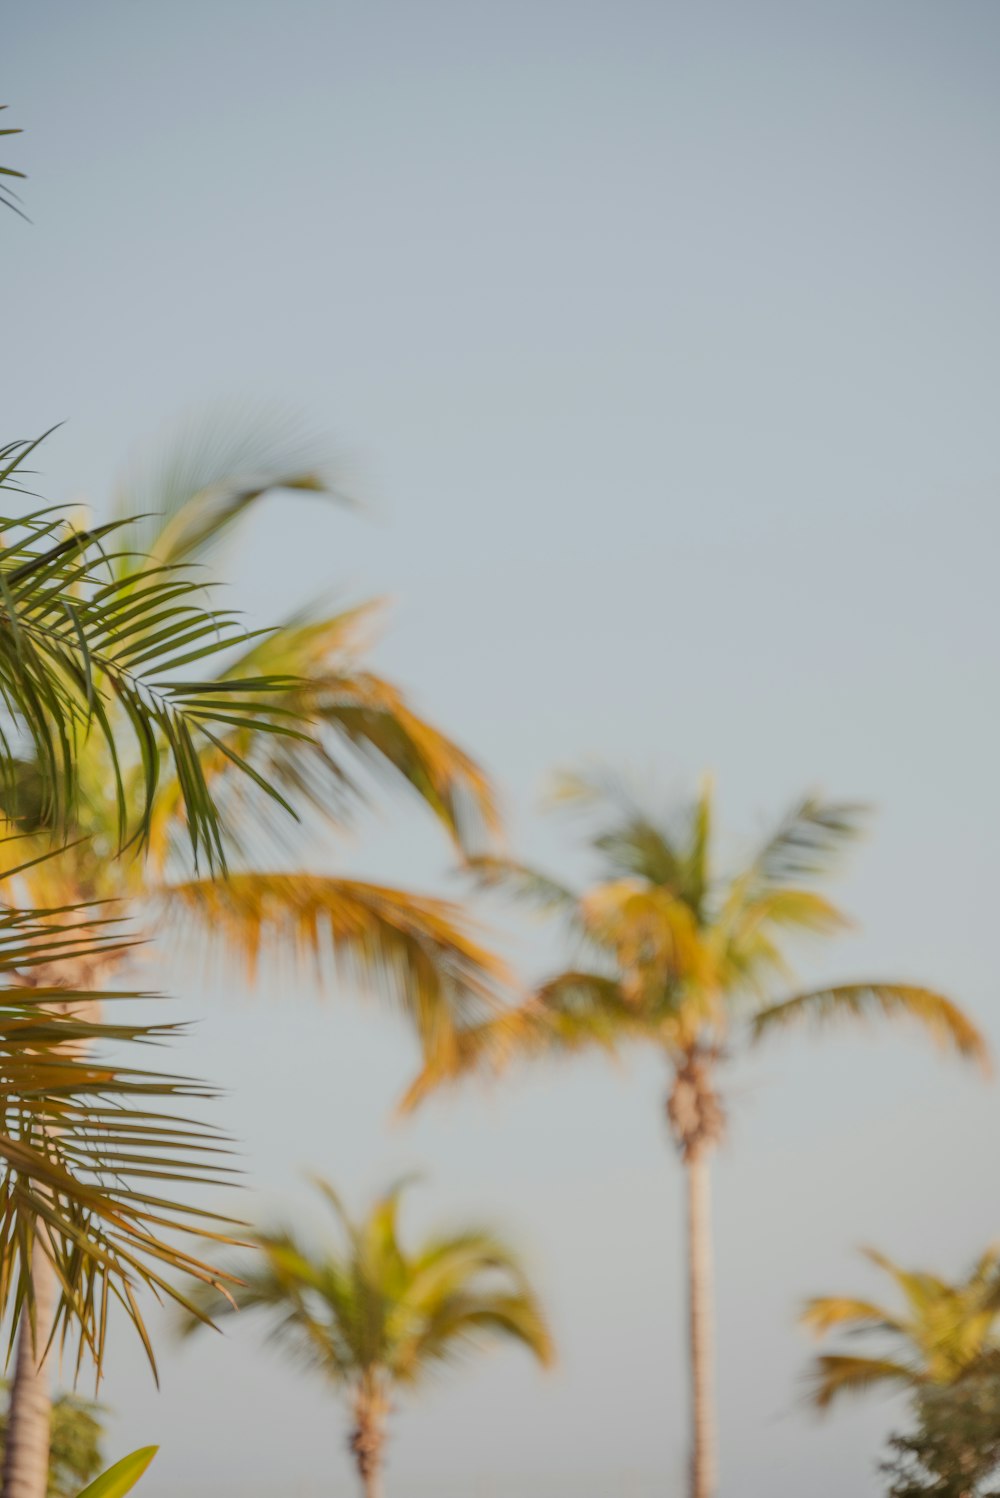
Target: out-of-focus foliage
[[953, 1448], [943, 1332]]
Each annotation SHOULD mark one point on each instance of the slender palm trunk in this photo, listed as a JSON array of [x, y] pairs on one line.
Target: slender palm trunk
[[697, 1121], [701, 1326], [368, 1437], [26, 1454]]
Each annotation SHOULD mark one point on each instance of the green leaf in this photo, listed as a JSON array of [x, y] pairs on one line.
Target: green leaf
[[122, 1477]]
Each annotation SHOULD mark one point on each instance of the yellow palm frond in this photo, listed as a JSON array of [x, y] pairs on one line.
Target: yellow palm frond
[[836, 1375], [946, 1024], [824, 1312], [418, 953]]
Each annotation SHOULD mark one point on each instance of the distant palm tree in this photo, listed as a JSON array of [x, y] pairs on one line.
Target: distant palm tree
[[219, 775], [373, 1317], [944, 1332], [674, 955]]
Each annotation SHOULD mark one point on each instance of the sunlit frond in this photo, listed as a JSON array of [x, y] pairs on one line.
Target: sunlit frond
[[825, 1312], [418, 953], [947, 1025], [947, 1332], [350, 721], [836, 1375], [575, 1011]]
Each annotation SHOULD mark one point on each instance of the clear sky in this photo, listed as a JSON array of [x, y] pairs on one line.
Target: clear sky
[[664, 342]]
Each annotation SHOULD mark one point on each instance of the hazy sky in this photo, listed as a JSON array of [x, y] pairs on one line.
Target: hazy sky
[[664, 342]]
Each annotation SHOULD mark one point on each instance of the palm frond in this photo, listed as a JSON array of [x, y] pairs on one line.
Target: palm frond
[[836, 1375], [824, 1312], [526, 885], [417, 953], [807, 840], [81, 655], [946, 1024], [205, 477], [354, 721], [575, 1011], [8, 197]]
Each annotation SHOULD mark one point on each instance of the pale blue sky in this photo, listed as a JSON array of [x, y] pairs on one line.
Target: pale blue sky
[[664, 342]]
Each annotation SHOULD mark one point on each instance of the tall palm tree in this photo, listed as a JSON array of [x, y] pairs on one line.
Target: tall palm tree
[[672, 953], [944, 1331], [374, 1316], [248, 789], [81, 1139]]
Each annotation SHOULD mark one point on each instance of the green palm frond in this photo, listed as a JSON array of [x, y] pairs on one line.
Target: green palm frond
[[204, 478], [418, 953], [807, 840], [946, 1024], [95, 1156], [8, 197], [83, 655]]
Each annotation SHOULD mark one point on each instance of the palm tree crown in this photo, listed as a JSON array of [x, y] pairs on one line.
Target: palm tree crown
[[674, 953], [943, 1332], [371, 1315]]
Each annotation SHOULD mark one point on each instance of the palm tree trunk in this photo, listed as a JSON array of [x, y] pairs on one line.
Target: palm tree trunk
[[701, 1328], [368, 1437], [29, 1417], [26, 1454]]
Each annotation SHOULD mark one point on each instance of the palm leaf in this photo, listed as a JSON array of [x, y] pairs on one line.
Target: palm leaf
[[824, 1312], [416, 952], [204, 478], [807, 840], [524, 884], [81, 654], [8, 197], [947, 1025], [836, 1375]]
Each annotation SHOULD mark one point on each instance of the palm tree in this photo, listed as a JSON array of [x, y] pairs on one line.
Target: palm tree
[[674, 955], [245, 787], [374, 1317], [944, 1332], [82, 1139]]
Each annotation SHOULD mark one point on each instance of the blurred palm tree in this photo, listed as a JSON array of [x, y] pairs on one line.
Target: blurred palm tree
[[250, 789], [374, 1317], [673, 954], [944, 1332]]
